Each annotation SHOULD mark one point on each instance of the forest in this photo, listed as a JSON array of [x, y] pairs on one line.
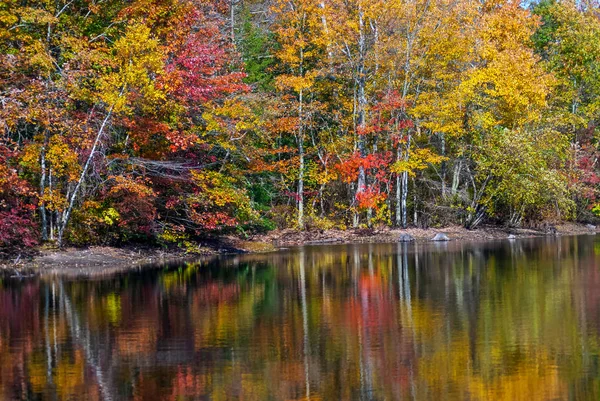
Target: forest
[[164, 121]]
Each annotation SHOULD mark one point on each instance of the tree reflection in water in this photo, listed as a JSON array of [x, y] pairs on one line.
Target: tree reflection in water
[[506, 320]]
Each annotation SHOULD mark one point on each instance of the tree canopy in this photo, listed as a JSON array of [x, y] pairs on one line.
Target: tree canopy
[[166, 120]]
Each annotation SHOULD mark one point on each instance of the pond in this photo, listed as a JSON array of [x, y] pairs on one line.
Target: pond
[[501, 320]]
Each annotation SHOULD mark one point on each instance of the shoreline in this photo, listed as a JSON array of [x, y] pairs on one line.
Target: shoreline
[[102, 260]]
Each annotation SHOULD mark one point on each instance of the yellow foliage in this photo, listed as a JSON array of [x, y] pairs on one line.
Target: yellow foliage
[[136, 57], [418, 159]]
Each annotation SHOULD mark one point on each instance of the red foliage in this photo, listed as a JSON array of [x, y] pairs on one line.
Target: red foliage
[[201, 68], [213, 220], [392, 101], [17, 228], [585, 174], [375, 163], [370, 198], [17, 204], [135, 203], [376, 168]]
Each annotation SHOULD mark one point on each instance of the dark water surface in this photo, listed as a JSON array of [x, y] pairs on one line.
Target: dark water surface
[[456, 321]]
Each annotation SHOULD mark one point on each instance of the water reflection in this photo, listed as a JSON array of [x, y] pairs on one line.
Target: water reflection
[[510, 320]]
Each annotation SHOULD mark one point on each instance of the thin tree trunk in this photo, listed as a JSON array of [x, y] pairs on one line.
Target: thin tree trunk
[[362, 103], [398, 193], [404, 196], [444, 165], [42, 206], [301, 145], [405, 185], [456, 177], [326, 31], [86, 166], [415, 210], [232, 19], [51, 213], [301, 175]]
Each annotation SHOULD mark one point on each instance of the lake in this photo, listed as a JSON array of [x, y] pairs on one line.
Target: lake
[[501, 320]]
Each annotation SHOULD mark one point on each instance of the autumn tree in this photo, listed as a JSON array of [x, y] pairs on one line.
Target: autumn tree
[[505, 94], [567, 40]]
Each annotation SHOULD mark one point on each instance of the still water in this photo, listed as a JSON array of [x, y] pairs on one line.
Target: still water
[[503, 320]]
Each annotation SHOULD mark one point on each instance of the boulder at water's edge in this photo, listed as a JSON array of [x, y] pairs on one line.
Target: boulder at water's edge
[[404, 237], [441, 237]]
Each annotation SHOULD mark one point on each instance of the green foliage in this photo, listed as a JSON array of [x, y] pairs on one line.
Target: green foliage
[[256, 45], [521, 174]]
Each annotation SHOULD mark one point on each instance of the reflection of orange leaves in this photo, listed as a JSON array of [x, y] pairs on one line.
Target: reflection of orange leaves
[[136, 342], [214, 293], [293, 372], [370, 284], [188, 384]]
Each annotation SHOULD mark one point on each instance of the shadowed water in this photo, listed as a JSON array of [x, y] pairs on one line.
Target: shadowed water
[[504, 320]]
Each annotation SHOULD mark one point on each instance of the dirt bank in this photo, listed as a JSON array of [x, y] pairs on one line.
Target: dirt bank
[[100, 259], [92, 259], [288, 238]]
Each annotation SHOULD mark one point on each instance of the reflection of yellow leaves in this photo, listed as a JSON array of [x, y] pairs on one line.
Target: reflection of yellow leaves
[[37, 373], [531, 382], [424, 321], [69, 375], [535, 379], [447, 364], [113, 308]]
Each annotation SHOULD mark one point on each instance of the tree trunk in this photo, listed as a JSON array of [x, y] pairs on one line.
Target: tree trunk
[[398, 193], [51, 213], [415, 210], [404, 196], [232, 19], [362, 104], [443, 166], [326, 31], [475, 218], [477, 213], [405, 185], [42, 206], [301, 179], [301, 146], [86, 166], [456, 177]]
